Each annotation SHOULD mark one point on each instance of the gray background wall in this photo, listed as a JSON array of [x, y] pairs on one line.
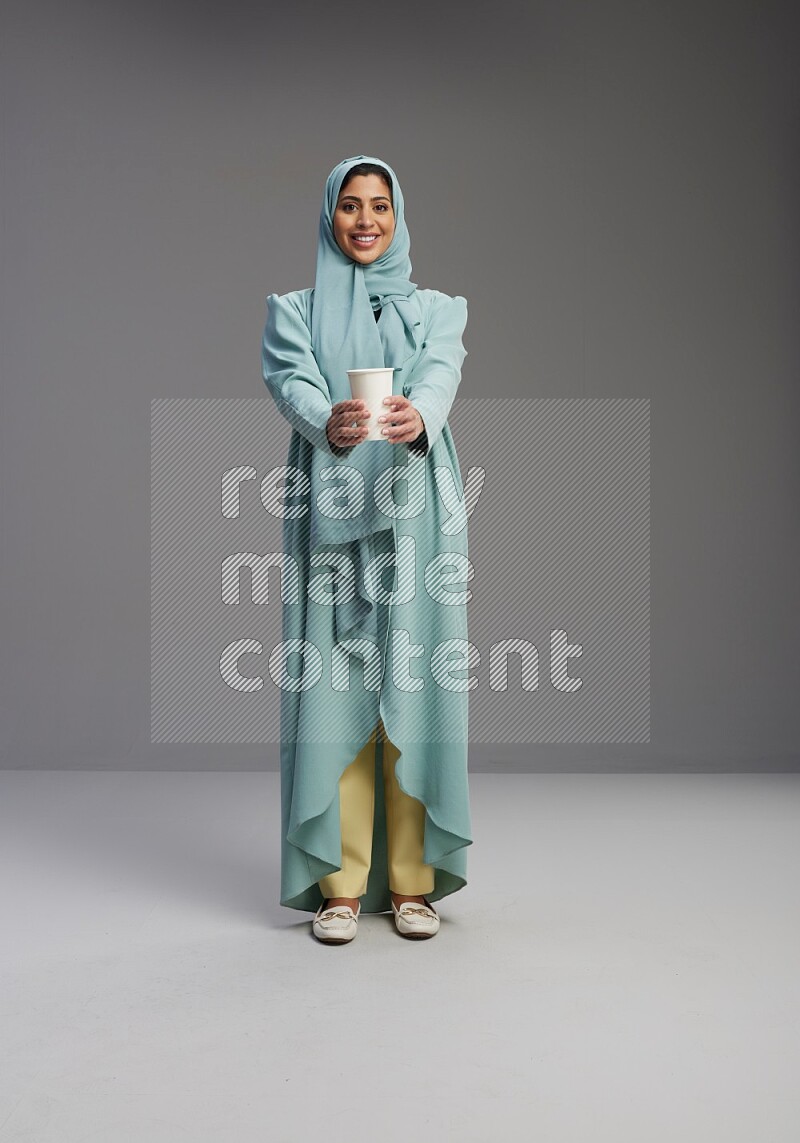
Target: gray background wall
[[613, 186]]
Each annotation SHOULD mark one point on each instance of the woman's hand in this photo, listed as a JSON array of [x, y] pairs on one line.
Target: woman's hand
[[401, 424], [344, 427]]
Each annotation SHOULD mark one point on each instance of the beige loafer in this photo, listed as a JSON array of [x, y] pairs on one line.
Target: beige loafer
[[335, 926], [414, 920]]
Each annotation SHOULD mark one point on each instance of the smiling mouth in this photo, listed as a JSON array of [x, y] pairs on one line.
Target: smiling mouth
[[366, 239]]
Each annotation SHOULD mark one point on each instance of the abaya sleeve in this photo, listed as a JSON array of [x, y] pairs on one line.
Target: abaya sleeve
[[292, 375], [431, 387]]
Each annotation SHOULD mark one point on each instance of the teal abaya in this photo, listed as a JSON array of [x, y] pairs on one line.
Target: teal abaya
[[394, 646]]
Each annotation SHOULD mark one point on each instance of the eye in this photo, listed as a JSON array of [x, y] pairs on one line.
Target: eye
[[381, 207]]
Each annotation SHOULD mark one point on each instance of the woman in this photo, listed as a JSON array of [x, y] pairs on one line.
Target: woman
[[374, 790]]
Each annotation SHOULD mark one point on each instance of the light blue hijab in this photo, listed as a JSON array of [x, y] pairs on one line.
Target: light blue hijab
[[344, 333]]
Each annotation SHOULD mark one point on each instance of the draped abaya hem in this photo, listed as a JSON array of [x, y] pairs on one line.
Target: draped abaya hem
[[312, 827]]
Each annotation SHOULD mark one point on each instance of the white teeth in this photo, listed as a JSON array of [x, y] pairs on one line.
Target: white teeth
[[366, 239]]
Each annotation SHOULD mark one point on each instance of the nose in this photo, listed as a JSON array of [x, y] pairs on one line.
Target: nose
[[364, 219]]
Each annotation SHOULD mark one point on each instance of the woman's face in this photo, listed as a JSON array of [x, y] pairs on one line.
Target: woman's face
[[363, 222]]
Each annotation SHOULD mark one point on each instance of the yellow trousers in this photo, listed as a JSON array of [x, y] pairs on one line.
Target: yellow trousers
[[405, 828]]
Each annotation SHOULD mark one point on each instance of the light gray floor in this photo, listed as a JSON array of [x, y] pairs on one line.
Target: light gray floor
[[623, 965]]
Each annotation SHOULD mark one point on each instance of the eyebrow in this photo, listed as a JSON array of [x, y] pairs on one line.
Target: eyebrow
[[375, 198]]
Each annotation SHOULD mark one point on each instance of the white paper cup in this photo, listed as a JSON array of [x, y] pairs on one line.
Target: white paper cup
[[371, 386]]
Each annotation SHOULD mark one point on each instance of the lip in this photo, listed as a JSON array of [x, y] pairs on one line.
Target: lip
[[365, 245]]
